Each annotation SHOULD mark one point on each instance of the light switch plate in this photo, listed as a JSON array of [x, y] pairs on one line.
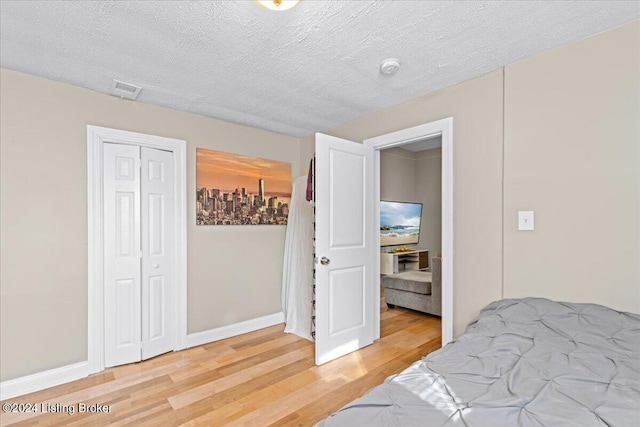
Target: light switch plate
[[525, 220]]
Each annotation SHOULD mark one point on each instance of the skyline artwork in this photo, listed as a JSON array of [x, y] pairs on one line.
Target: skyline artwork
[[232, 189]]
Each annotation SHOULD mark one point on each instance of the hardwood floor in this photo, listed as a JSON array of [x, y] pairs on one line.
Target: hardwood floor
[[262, 378]]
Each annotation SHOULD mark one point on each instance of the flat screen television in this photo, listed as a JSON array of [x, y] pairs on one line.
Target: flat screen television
[[399, 223]]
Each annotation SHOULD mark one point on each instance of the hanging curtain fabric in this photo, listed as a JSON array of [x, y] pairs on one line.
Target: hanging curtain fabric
[[297, 270]]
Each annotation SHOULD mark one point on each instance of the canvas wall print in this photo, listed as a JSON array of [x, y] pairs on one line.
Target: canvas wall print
[[234, 190]]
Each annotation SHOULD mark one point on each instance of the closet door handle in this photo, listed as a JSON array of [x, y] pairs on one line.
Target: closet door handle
[[324, 260], [156, 265]]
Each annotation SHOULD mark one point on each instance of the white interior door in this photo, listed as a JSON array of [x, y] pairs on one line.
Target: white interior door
[[121, 254], [345, 252], [157, 252]]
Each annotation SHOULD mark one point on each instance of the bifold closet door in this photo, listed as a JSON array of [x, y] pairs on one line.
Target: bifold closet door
[[122, 309], [157, 252], [138, 253]]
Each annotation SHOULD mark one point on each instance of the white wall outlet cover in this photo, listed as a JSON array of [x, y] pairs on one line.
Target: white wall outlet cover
[[525, 220]]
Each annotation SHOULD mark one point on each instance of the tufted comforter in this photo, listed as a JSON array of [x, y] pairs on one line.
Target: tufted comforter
[[521, 362]]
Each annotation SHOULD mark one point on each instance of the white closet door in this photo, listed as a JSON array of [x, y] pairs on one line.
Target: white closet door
[[121, 254], [158, 250]]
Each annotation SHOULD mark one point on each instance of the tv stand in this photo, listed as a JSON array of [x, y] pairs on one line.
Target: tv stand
[[392, 263]]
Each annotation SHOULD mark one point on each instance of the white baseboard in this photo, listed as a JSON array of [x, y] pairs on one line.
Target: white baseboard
[[42, 380], [205, 337]]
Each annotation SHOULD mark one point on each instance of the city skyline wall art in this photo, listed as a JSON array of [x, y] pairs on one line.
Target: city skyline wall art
[[232, 189]]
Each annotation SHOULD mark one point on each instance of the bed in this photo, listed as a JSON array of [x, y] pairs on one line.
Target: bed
[[521, 362]]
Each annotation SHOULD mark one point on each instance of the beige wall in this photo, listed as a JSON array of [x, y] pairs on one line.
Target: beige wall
[[429, 193], [572, 149], [234, 272], [476, 108], [397, 175]]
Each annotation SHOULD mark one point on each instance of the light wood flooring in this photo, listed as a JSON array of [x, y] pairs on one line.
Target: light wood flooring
[[262, 378]]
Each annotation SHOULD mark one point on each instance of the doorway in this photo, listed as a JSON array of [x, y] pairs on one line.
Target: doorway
[[443, 129], [127, 155]]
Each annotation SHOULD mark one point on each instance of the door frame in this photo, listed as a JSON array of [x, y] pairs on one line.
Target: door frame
[[444, 128], [96, 138]]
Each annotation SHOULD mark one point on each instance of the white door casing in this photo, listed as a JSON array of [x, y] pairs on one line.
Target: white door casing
[[121, 254], [444, 128], [97, 138], [157, 252], [344, 247]]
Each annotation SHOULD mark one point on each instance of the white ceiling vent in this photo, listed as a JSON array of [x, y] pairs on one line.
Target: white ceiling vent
[[125, 90]]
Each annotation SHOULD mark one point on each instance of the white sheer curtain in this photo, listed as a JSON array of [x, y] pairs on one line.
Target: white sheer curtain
[[297, 270]]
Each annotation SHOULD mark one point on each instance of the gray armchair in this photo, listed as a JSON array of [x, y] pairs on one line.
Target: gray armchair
[[417, 290]]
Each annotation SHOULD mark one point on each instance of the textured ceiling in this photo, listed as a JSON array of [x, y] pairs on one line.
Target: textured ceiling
[[296, 72]]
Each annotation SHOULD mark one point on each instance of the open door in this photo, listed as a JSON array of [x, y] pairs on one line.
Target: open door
[[345, 252]]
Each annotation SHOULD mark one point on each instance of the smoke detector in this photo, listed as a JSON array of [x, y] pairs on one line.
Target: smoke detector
[[125, 90], [389, 66]]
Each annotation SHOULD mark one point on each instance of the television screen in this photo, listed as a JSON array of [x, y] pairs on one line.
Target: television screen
[[399, 223]]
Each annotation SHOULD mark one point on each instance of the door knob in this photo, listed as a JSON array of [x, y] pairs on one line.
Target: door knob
[[324, 260], [156, 265]]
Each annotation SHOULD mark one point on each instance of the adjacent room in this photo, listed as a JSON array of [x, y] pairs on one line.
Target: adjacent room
[[411, 224], [300, 213]]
